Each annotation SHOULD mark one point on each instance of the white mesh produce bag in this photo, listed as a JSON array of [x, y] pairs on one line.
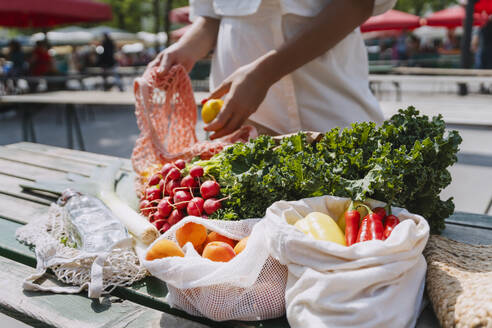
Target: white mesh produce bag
[[369, 284], [99, 272], [251, 286]]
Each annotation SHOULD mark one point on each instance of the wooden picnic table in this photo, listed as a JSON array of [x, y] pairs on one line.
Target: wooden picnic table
[[70, 99], [141, 305]]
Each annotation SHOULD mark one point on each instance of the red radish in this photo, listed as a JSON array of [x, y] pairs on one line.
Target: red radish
[[211, 205], [161, 185], [143, 207], [154, 179], [181, 199], [209, 189], [188, 181], [170, 186], [165, 169], [165, 227], [175, 217], [180, 164], [173, 174], [153, 193], [196, 171], [195, 206], [164, 207], [159, 222]]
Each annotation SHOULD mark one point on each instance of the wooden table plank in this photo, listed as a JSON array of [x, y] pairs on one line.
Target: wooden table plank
[[469, 235], [75, 155], [470, 219], [61, 310], [10, 186], [20, 210], [45, 161]]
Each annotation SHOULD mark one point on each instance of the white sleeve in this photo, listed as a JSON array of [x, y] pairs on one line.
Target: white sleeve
[[382, 6], [202, 8]]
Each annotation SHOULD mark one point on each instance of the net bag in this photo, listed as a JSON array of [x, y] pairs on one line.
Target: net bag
[[167, 116], [99, 273], [369, 284], [251, 286]]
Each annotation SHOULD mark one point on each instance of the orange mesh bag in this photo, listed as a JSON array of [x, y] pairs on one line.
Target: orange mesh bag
[[166, 116]]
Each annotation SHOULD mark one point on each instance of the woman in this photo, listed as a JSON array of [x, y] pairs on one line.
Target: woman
[[283, 65]]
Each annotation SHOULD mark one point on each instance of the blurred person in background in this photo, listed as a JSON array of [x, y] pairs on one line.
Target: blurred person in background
[[41, 62], [16, 56], [108, 63], [485, 40]]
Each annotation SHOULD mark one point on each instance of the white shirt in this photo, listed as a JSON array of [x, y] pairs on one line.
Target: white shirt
[[332, 90]]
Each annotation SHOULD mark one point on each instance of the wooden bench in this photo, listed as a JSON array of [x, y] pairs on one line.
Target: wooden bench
[[141, 305]]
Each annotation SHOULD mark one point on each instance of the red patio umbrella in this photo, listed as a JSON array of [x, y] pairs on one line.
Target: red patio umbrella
[[39, 13], [391, 20], [484, 6], [452, 17], [180, 15]]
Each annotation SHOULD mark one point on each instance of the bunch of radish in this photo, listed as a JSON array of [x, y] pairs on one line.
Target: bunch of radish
[[169, 196]]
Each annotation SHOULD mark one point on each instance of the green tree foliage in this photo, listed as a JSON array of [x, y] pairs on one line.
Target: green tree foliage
[[419, 7], [128, 14]]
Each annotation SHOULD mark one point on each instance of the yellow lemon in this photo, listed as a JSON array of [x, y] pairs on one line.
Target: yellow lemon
[[211, 109]]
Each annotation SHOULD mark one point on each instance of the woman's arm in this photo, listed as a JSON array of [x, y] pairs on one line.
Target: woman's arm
[[247, 87], [194, 45]]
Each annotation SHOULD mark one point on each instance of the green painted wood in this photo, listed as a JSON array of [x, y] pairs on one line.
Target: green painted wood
[[45, 161], [150, 292], [70, 154], [471, 219], [61, 310], [20, 210], [10, 186], [469, 235]]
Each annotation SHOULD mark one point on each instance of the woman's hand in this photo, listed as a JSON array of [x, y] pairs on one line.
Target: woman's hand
[[246, 89], [195, 44], [174, 55]]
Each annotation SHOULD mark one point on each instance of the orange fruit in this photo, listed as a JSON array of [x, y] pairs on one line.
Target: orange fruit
[[191, 232], [241, 245], [200, 248], [218, 251], [213, 236], [164, 248]]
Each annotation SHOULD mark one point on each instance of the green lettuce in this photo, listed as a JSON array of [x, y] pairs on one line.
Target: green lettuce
[[403, 162]]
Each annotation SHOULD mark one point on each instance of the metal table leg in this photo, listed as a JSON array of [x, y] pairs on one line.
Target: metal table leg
[[73, 121]]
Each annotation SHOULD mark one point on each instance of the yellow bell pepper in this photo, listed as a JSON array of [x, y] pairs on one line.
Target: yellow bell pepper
[[321, 227], [361, 209]]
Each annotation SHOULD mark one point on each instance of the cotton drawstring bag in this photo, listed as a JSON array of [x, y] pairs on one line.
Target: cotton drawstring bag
[[369, 284], [251, 286]]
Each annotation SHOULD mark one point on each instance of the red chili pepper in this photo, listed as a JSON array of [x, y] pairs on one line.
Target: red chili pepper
[[352, 218], [390, 223], [363, 234], [380, 211], [371, 227]]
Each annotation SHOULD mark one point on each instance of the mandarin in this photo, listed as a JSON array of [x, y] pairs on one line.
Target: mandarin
[[191, 232], [164, 248], [218, 251], [214, 236]]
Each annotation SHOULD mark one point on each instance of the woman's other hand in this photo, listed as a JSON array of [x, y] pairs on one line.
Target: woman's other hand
[[244, 91]]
